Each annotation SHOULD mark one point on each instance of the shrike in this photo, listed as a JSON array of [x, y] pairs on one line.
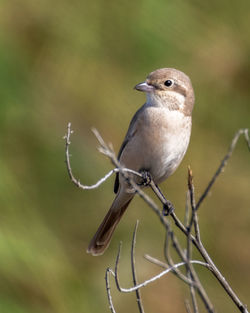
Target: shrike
[[156, 142]]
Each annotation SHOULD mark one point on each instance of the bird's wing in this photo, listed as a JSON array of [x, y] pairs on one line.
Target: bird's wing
[[130, 133]]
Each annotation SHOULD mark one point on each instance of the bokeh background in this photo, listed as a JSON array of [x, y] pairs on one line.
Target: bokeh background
[[77, 61]]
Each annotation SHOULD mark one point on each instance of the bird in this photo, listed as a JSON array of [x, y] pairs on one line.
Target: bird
[[156, 142]]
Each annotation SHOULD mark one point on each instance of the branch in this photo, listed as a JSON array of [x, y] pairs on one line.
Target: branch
[[111, 306], [193, 221], [194, 240], [164, 265], [105, 149], [194, 217], [138, 294], [187, 305], [136, 286], [126, 173], [69, 169], [154, 278], [224, 161]]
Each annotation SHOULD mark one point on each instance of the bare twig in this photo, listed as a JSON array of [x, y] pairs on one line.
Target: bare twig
[[111, 306], [199, 244], [117, 266], [171, 237], [157, 262], [193, 220], [193, 295], [187, 305], [165, 265], [69, 169], [193, 275], [194, 281], [146, 282], [152, 279], [224, 162], [205, 256], [221, 278], [108, 151], [138, 294], [186, 217], [137, 286]]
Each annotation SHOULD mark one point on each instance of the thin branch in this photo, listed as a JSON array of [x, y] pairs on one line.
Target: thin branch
[[156, 261], [191, 274], [193, 296], [224, 162], [111, 306], [138, 294], [178, 223], [208, 260], [77, 181], [117, 266], [186, 217], [193, 220], [178, 248], [196, 282], [222, 280], [205, 255], [136, 287], [190, 237], [199, 244], [167, 203], [187, 305], [165, 265], [152, 279], [170, 236], [192, 280], [108, 151]]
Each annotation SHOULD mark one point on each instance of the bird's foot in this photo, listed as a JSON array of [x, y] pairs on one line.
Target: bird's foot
[[168, 208], [146, 178]]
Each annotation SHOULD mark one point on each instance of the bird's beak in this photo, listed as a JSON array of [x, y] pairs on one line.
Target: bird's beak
[[145, 87]]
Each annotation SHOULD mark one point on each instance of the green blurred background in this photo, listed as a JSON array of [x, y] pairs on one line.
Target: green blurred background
[[77, 61]]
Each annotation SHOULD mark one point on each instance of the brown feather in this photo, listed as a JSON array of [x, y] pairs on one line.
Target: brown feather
[[102, 237]]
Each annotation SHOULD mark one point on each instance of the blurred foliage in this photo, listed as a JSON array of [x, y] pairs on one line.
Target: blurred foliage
[[78, 61]]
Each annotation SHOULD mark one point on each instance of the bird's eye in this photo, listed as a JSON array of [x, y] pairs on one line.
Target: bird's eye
[[168, 83]]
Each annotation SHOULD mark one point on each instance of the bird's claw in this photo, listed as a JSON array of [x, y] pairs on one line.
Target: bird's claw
[[146, 178], [168, 208]]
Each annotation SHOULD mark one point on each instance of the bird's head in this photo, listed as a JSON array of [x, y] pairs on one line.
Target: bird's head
[[169, 87]]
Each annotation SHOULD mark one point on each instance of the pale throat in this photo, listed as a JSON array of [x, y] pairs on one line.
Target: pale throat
[[170, 99]]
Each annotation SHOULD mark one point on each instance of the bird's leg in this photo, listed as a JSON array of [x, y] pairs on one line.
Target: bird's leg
[[168, 207], [146, 178]]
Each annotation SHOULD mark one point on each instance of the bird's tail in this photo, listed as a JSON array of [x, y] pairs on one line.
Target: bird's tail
[[102, 237]]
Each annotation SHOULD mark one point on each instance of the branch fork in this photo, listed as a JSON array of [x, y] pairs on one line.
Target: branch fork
[[190, 225]]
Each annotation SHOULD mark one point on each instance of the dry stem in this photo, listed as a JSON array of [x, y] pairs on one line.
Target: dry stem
[[192, 278]]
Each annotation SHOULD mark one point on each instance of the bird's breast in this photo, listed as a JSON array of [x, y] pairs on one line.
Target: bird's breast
[[159, 142], [164, 137]]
